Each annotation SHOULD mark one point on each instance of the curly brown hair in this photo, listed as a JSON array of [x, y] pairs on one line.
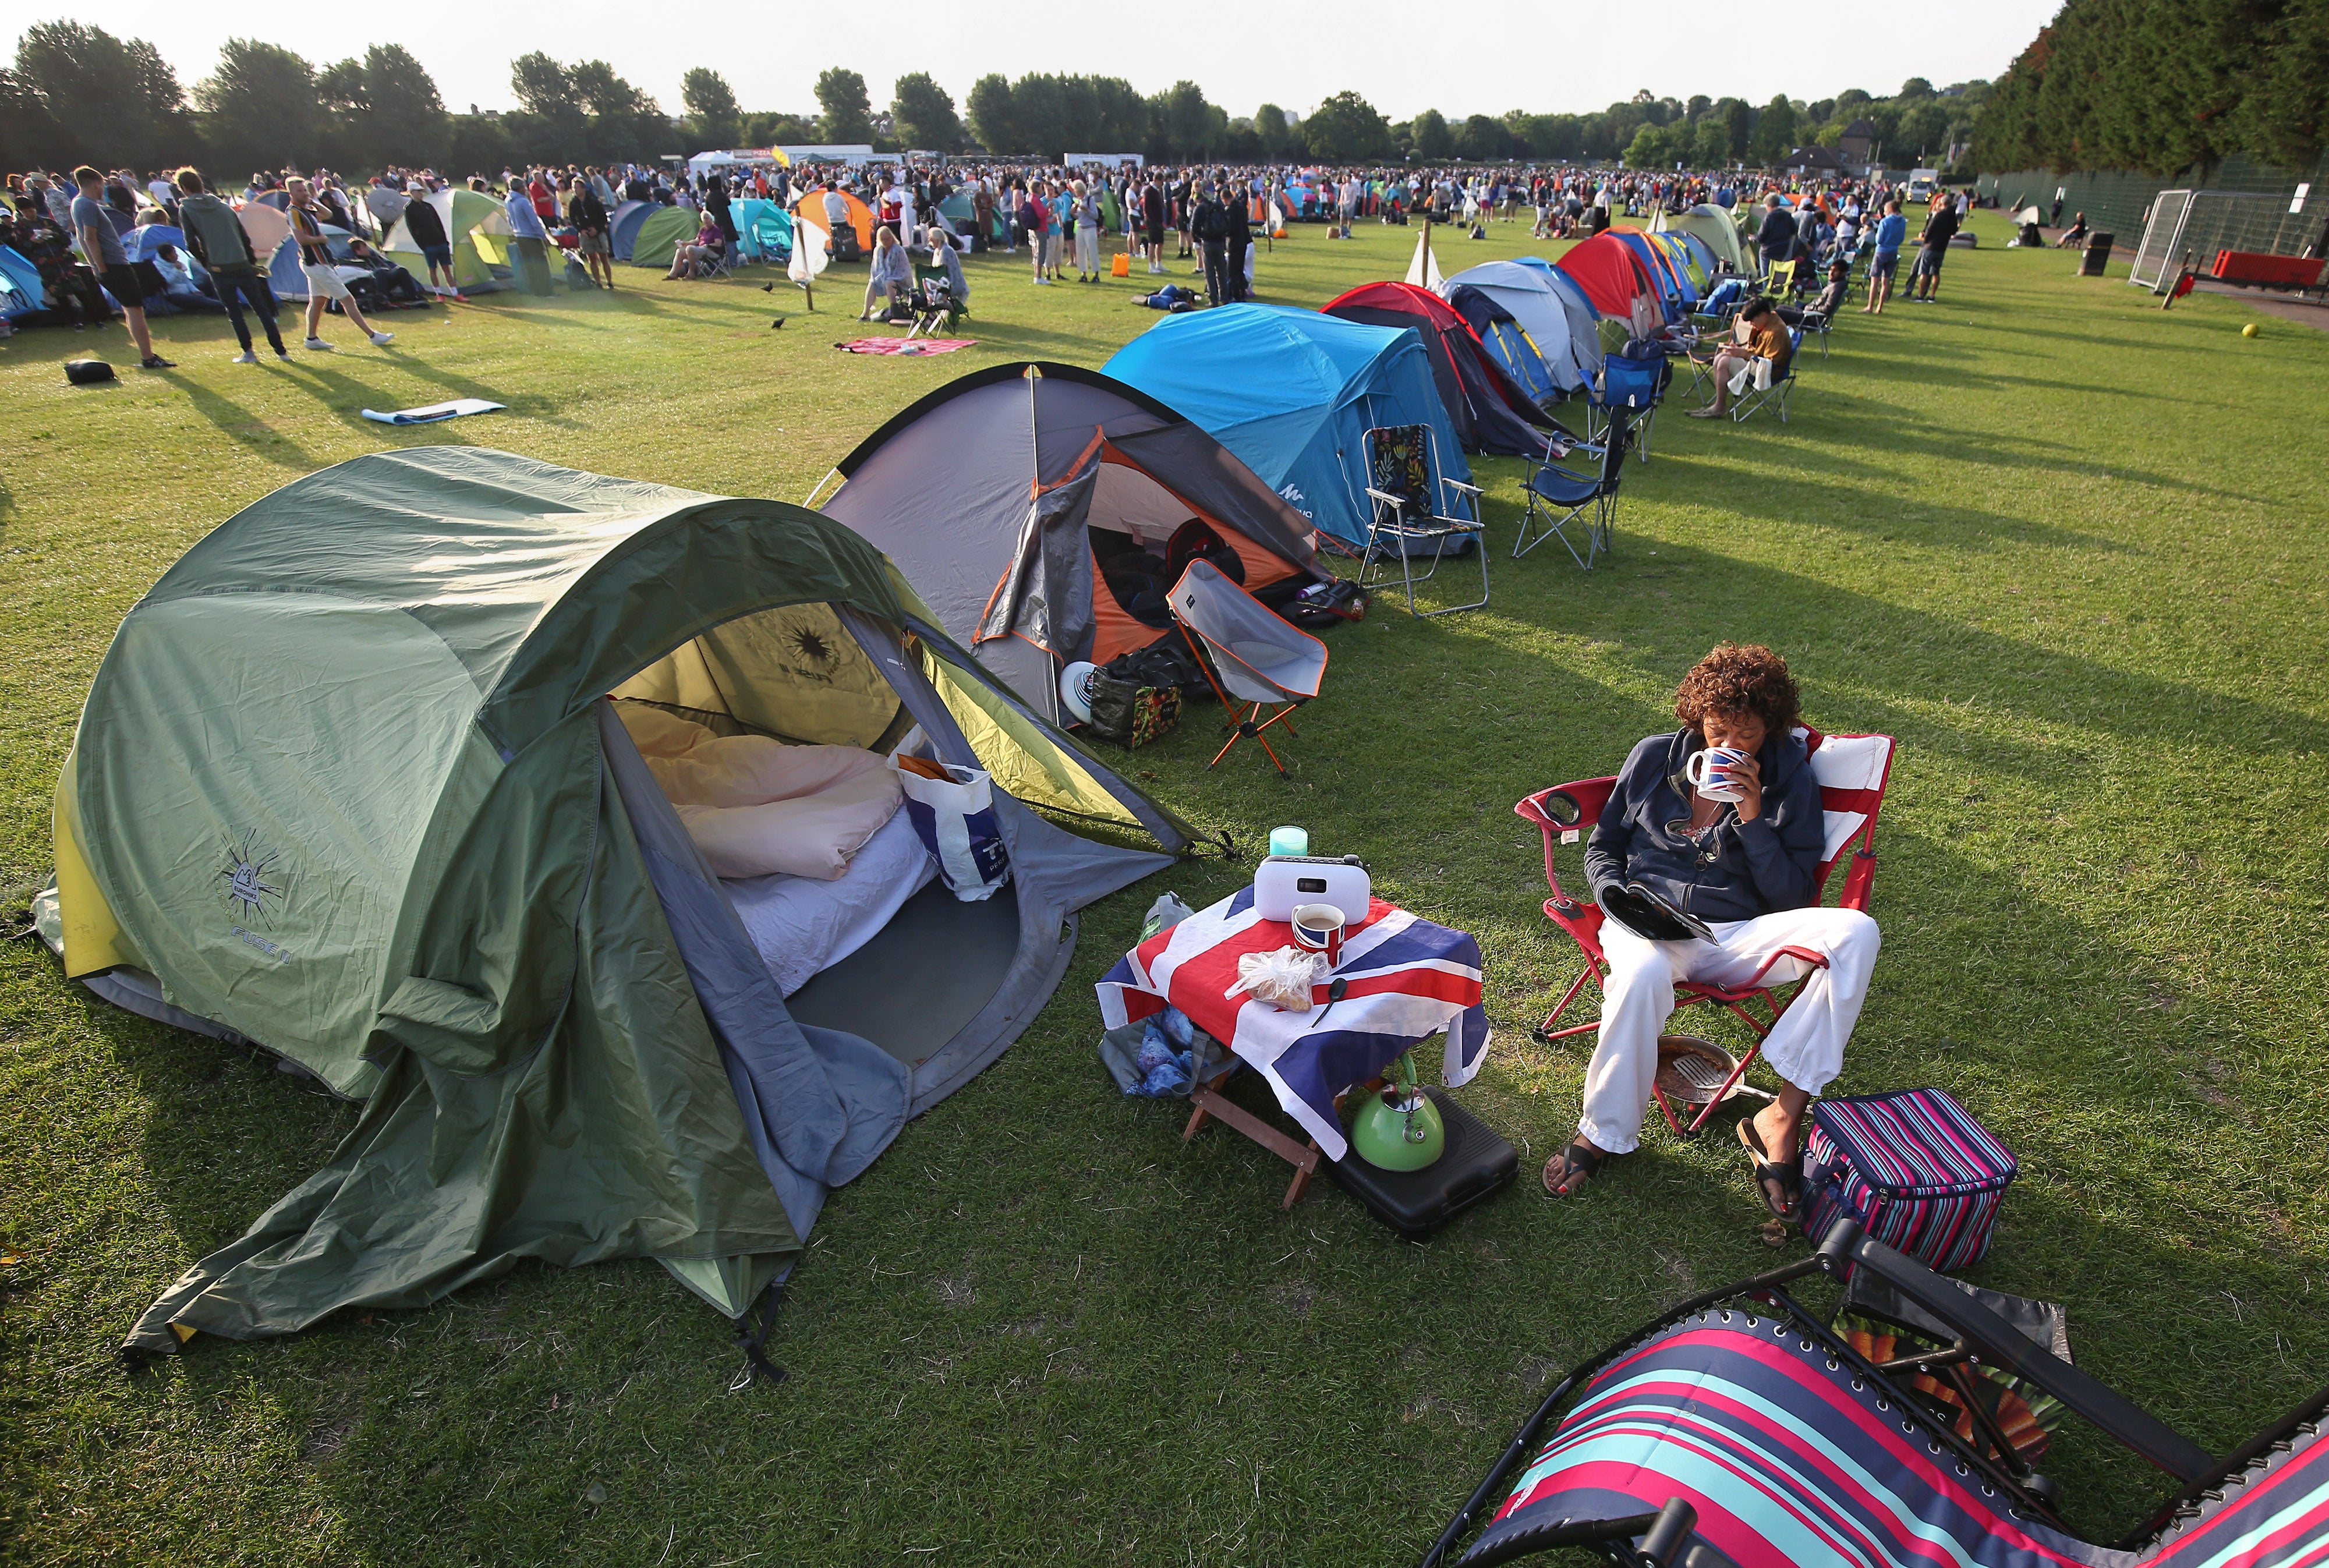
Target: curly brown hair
[[1732, 679]]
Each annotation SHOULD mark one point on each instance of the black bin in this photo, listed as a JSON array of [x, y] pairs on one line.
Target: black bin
[[1478, 1164], [2097, 256]]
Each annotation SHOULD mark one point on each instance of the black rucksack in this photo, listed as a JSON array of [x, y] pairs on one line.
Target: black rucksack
[[87, 372]]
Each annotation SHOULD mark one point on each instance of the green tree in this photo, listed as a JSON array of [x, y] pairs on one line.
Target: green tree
[[1738, 124], [1429, 134], [1346, 129], [990, 114], [1187, 122], [713, 119], [261, 108], [1775, 131], [1695, 109], [922, 113], [112, 100], [1278, 141], [404, 113], [1648, 149], [846, 113], [1709, 146], [1482, 139]]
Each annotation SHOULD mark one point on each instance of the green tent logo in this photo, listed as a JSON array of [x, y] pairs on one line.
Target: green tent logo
[[248, 873]]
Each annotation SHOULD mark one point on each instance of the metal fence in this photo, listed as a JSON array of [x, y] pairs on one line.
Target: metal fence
[[2196, 225]]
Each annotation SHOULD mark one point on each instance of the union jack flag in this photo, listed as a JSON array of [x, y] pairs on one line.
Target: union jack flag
[[1407, 979]]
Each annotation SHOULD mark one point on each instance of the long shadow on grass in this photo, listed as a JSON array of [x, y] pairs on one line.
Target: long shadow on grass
[[346, 397], [239, 424]]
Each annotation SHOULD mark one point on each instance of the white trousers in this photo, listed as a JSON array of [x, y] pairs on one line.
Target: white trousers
[[1087, 246], [1805, 1047]]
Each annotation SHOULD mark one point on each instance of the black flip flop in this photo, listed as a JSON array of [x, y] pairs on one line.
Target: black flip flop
[[1580, 1163], [1789, 1177]]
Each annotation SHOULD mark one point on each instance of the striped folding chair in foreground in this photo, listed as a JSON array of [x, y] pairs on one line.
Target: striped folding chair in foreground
[[1851, 771], [1744, 1429]]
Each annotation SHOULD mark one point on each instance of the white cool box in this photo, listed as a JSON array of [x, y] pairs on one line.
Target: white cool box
[[1283, 881]]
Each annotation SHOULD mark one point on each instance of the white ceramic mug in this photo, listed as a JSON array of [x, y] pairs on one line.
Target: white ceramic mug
[[1319, 928], [1711, 773]]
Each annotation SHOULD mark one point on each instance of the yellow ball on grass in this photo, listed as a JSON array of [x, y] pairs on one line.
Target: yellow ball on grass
[[2249, 330]]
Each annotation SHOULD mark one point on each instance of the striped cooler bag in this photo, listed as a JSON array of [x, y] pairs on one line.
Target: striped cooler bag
[[1914, 1168]]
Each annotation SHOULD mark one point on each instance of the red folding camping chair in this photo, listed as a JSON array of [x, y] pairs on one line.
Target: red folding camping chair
[[1852, 770]]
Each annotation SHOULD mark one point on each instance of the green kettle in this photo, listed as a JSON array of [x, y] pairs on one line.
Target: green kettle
[[1399, 1129]]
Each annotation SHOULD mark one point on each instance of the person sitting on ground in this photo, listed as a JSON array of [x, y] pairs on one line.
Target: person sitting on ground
[[1759, 334], [2075, 235], [183, 293], [892, 276], [1748, 868], [391, 282]]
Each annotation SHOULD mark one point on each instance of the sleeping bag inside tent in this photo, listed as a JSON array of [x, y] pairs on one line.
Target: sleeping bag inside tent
[[550, 814], [1293, 393], [1491, 412], [1044, 512]]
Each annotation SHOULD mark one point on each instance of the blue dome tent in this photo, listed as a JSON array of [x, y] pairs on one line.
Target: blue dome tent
[[1293, 393]]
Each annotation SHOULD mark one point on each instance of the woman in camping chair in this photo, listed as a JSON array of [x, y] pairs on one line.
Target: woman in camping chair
[[696, 259], [1746, 868]]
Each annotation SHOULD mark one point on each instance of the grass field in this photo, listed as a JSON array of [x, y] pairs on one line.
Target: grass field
[[2068, 549]]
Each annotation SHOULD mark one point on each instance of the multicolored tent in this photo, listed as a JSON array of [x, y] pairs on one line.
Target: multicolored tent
[[1036, 508], [479, 229], [1561, 322], [659, 237], [1613, 276], [1491, 412], [351, 786]]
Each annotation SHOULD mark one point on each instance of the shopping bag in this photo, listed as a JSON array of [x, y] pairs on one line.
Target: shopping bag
[[1121, 267], [952, 809]]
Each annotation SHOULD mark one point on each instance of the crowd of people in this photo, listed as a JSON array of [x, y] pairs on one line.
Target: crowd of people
[[77, 233]]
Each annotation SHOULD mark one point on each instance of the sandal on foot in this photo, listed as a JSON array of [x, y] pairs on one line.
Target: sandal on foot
[[1573, 1166], [1768, 1173]]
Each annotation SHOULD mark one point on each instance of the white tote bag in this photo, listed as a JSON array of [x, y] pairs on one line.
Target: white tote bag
[[955, 818]]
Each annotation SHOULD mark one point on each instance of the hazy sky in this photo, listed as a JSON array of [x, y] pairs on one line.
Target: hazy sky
[[1488, 56]]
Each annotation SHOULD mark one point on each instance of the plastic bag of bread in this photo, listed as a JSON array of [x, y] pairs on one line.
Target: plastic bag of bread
[[1282, 978]]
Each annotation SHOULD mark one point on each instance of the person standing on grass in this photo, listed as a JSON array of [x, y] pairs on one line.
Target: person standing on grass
[[1890, 229], [529, 241], [1925, 279], [1152, 222], [593, 242], [1749, 869], [100, 247], [217, 237], [1085, 210], [1209, 226], [425, 227], [1035, 216], [324, 280]]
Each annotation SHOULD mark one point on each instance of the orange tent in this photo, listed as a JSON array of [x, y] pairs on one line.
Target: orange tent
[[810, 209]]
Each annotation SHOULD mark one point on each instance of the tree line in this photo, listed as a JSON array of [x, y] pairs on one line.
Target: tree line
[[2161, 86], [75, 92]]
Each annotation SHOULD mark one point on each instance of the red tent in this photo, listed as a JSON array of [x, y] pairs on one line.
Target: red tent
[[1611, 275], [1488, 411]]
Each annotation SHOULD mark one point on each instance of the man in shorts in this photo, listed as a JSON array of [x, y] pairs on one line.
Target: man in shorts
[[593, 238], [1890, 229], [323, 282], [1932, 250], [100, 247], [425, 227]]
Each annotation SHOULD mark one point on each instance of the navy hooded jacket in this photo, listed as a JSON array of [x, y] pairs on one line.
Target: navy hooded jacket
[[1743, 869]]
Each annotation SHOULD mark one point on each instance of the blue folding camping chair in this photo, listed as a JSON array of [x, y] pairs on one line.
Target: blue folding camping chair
[[1557, 496], [1636, 385]]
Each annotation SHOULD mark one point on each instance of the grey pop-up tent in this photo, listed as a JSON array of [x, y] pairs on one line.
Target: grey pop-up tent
[[1033, 505], [351, 785]]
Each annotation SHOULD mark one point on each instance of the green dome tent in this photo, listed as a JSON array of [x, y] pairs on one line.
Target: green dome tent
[[478, 230], [664, 231], [351, 785]]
